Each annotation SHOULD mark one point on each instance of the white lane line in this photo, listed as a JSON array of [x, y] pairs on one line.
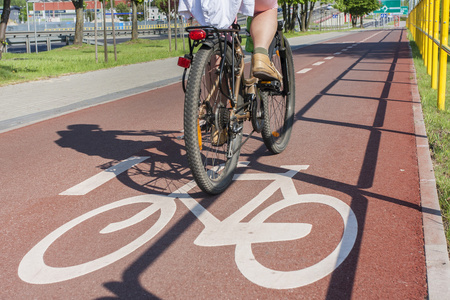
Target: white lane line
[[344, 49], [318, 63], [97, 180], [329, 57], [303, 71], [337, 53]]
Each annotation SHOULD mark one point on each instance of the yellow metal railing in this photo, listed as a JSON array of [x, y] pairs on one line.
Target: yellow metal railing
[[428, 22]]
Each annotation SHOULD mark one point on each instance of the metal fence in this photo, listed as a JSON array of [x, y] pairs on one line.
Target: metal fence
[[428, 22]]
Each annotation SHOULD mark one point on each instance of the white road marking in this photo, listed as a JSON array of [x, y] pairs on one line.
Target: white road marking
[[230, 231], [337, 53], [97, 180], [318, 63], [329, 57], [303, 71]]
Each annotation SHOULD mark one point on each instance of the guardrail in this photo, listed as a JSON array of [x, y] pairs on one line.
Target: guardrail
[[67, 36], [28, 38], [428, 22]]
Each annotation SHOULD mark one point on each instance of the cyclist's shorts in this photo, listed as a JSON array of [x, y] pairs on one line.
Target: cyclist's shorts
[[263, 5]]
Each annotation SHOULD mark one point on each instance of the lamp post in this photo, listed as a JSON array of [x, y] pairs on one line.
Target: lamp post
[[34, 21], [28, 21]]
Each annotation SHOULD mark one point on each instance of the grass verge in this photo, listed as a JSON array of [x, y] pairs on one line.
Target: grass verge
[[437, 124], [15, 68]]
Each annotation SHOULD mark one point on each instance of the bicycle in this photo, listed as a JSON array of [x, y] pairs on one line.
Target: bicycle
[[218, 99], [232, 230]]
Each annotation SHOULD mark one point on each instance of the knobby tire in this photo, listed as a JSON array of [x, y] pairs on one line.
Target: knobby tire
[[206, 114], [279, 108]]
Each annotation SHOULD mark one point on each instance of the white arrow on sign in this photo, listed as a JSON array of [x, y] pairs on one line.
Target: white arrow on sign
[[385, 8]]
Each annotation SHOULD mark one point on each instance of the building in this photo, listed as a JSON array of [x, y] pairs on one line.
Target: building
[[63, 10], [13, 15]]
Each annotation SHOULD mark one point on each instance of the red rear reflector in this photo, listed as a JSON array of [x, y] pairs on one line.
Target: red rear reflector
[[184, 62], [197, 34]]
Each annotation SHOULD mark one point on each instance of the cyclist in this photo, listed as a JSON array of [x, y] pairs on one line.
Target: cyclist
[[221, 14]]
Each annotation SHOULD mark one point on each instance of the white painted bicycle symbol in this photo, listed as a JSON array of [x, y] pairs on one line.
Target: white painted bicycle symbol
[[230, 231]]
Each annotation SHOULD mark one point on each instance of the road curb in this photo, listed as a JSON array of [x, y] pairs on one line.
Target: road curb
[[435, 243]]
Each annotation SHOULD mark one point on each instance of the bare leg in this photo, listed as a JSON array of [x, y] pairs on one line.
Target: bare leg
[[264, 26], [262, 30]]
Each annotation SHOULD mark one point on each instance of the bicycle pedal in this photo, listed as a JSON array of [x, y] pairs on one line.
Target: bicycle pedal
[[274, 85]]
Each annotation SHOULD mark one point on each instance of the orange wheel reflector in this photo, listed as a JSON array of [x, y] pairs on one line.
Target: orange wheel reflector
[[275, 134], [278, 53], [199, 135]]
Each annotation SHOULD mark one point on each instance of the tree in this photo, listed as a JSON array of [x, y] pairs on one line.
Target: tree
[[357, 8], [168, 7], [123, 8], [3, 23], [297, 9], [79, 22], [306, 9], [163, 6], [134, 19]]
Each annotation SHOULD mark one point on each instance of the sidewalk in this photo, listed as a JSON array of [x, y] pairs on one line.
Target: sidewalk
[[31, 102]]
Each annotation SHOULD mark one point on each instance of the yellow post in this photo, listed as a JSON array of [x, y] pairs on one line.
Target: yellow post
[[435, 48], [430, 33], [422, 27], [424, 31], [426, 36], [443, 55]]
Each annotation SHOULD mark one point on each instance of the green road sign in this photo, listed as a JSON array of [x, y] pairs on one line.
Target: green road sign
[[390, 6]]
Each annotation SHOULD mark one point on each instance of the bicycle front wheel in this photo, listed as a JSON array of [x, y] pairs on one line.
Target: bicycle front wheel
[[279, 106], [212, 147]]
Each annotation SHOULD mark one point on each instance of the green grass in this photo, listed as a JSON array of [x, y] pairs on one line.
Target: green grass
[[437, 124], [15, 68]]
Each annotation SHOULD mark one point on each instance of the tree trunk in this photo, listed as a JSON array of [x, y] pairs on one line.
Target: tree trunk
[[308, 19], [354, 21], [3, 24], [294, 13], [361, 25], [79, 23], [134, 23]]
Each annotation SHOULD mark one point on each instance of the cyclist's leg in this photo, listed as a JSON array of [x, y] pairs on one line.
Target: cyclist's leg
[[262, 30]]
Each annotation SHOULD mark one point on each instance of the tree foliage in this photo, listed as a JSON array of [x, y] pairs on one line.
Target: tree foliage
[[357, 8], [163, 6], [123, 8]]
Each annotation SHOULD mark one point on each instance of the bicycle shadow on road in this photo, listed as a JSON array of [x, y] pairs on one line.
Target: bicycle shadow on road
[[162, 172]]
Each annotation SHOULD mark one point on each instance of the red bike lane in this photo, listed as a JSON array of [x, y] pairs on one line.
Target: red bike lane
[[353, 152]]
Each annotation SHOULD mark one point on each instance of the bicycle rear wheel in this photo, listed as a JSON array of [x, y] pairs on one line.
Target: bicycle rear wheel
[[212, 148], [279, 106]]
